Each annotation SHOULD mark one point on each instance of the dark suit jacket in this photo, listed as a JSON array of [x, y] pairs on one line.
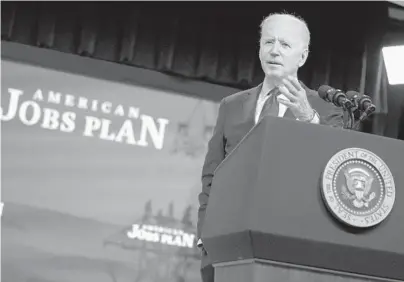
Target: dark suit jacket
[[235, 118]]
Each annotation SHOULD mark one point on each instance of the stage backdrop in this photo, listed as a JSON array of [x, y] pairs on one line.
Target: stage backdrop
[[99, 179]]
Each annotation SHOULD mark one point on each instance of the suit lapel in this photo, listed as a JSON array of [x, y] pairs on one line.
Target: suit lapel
[[249, 105]]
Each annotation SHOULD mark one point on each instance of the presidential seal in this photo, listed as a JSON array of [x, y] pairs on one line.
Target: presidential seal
[[358, 187]]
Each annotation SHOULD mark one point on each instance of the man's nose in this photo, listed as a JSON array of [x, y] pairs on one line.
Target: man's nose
[[274, 49]]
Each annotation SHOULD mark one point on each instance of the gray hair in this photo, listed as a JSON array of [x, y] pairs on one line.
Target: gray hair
[[295, 16]]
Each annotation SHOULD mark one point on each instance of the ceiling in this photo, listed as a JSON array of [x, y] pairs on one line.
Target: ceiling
[[397, 2]]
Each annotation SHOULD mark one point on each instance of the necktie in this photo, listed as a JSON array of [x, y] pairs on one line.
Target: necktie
[[271, 105]]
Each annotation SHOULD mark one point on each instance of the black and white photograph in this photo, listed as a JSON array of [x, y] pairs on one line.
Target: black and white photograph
[[202, 141]]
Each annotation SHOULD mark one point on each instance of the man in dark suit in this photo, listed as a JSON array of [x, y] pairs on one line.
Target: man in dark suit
[[283, 50]]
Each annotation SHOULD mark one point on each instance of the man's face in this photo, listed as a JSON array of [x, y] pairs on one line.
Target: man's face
[[283, 47]]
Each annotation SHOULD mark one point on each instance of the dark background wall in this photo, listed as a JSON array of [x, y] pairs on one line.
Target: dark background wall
[[212, 41], [215, 42]]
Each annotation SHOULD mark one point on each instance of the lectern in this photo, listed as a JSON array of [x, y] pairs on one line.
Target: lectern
[[297, 202]]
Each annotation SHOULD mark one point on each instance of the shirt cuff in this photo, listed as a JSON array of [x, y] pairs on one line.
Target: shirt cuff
[[316, 118]]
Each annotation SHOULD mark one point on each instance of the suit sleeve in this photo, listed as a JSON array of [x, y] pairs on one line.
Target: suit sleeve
[[334, 117], [214, 156]]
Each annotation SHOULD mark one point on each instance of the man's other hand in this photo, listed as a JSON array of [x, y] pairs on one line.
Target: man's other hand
[[201, 248]]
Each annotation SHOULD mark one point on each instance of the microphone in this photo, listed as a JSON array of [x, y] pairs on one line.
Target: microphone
[[353, 96], [362, 102], [335, 96]]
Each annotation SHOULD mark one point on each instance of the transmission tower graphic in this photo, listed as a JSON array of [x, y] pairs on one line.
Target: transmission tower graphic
[[153, 260]]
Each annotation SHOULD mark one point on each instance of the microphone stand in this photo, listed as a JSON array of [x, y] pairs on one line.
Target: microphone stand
[[363, 116], [354, 109], [357, 124], [356, 114], [349, 124]]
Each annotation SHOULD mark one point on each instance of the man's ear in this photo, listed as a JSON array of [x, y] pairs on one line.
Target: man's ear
[[303, 59]]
